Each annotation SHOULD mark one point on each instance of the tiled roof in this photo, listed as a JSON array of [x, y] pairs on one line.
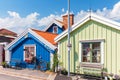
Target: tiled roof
[[7, 32], [47, 36]]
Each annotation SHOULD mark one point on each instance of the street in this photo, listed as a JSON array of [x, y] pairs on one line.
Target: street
[[24, 74], [6, 77]]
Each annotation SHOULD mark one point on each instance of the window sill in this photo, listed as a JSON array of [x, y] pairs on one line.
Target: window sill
[[91, 65]]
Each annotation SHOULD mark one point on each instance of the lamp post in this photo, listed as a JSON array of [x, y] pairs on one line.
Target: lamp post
[[69, 45]]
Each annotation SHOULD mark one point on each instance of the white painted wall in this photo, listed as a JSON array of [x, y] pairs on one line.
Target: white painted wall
[[7, 56], [51, 60]]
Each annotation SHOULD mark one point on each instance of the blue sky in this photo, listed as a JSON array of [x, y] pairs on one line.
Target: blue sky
[[47, 7], [36, 13]]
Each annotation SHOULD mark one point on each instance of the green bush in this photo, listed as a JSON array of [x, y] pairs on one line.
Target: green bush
[[64, 71], [55, 62], [48, 65], [4, 64]]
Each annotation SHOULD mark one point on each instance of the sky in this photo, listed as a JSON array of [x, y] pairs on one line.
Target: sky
[[18, 15]]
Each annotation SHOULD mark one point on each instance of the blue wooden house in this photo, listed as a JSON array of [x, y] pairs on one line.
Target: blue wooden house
[[31, 43], [35, 43]]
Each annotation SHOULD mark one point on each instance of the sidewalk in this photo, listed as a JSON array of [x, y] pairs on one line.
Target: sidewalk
[[28, 74], [36, 74], [72, 77]]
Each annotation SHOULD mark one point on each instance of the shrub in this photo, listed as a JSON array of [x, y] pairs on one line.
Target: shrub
[[55, 61], [64, 72], [4, 64]]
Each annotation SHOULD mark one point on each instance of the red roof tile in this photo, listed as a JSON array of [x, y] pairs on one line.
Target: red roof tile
[[46, 35]]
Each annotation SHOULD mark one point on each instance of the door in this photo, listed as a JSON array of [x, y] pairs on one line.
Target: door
[[2, 53]]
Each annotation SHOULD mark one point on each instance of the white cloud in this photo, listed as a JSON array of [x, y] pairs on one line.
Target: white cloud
[[15, 20], [113, 14], [18, 24], [47, 20], [116, 9], [79, 15], [63, 10], [13, 14]]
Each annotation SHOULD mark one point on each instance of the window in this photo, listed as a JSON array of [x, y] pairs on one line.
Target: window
[[91, 52], [29, 52], [55, 29]]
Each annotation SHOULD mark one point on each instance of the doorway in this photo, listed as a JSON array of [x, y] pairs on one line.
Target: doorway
[[2, 54]]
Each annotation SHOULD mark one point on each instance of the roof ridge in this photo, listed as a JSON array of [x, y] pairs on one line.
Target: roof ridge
[[6, 29], [44, 31]]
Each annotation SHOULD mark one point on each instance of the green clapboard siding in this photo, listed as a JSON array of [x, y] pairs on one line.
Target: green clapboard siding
[[92, 30]]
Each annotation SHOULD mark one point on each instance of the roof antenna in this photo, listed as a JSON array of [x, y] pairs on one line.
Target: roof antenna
[[90, 8]]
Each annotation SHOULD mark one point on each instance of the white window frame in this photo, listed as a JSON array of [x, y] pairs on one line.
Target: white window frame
[[53, 29], [29, 45], [89, 41]]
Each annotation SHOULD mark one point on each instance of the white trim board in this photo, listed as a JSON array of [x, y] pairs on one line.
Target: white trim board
[[90, 16]]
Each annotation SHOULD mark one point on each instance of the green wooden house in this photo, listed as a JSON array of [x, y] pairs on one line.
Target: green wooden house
[[95, 43]]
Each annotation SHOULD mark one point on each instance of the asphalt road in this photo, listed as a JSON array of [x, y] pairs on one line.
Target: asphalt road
[[6, 77]]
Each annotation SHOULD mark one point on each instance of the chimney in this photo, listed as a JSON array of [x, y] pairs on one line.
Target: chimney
[[65, 20]]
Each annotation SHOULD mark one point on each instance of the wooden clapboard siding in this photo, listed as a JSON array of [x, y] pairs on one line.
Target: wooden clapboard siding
[[93, 30], [118, 52]]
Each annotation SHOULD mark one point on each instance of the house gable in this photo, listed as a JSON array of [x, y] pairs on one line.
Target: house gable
[[51, 29], [53, 22], [27, 34], [41, 50]]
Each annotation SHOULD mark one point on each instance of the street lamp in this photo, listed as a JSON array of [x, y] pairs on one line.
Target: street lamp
[[69, 45]]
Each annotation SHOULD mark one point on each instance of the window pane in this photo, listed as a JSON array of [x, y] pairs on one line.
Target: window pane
[[84, 56], [26, 52], [86, 52], [55, 29], [32, 50], [96, 46], [26, 55], [85, 45], [96, 52]]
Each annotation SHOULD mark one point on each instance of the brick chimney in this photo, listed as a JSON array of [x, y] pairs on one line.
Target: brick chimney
[[65, 20]]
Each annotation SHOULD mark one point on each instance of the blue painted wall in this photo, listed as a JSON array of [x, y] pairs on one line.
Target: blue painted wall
[[60, 30], [18, 50]]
